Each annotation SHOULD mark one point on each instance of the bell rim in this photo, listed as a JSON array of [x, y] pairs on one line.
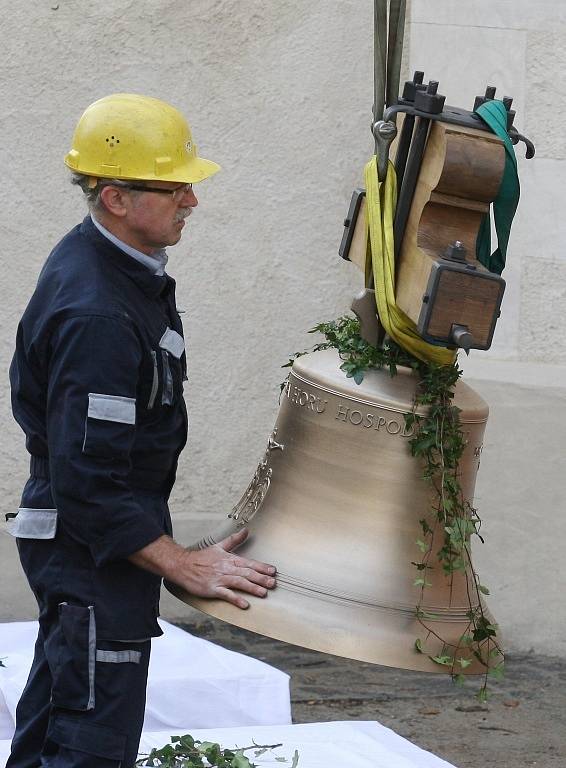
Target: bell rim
[[400, 653]]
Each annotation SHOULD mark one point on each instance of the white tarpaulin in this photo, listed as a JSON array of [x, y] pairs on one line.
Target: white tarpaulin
[[320, 745], [190, 681], [196, 687]]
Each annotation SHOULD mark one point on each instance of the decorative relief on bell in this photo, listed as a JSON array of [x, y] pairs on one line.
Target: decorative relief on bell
[[272, 445], [257, 490]]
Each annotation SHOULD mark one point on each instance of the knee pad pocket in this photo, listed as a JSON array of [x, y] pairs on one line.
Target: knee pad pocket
[[74, 733]]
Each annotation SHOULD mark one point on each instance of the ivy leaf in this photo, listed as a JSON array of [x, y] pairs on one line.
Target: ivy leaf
[[483, 590], [358, 377], [464, 663], [419, 645], [204, 745], [422, 545], [483, 694], [498, 672], [295, 762], [239, 761], [445, 661]]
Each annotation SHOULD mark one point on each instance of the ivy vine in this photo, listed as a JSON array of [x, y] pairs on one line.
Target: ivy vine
[[439, 443], [187, 752]]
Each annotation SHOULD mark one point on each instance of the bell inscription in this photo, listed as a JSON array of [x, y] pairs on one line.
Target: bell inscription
[[371, 421], [304, 399]]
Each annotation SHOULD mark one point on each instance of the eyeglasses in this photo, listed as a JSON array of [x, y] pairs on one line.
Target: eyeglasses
[[176, 192]]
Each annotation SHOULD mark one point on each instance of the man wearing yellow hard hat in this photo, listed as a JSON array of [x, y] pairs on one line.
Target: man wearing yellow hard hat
[[97, 387]]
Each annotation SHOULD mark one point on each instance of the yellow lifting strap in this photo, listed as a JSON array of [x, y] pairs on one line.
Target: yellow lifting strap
[[381, 200]]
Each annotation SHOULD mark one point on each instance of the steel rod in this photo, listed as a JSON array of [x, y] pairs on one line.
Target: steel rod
[[403, 147], [409, 182], [380, 59], [397, 10]]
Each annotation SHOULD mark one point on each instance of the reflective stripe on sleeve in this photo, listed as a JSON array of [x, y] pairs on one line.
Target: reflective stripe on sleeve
[[112, 408], [34, 524]]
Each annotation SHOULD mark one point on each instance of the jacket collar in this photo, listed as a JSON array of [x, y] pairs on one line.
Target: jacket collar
[[155, 263], [151, 284]]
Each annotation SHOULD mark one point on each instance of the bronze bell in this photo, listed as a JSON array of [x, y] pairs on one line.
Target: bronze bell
[[335, 505]]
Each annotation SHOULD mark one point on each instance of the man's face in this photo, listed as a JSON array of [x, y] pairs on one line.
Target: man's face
[[153, 220]]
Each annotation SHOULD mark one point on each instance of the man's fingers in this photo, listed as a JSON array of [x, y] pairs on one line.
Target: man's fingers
[[231, 597], [257, 578], [244, 585], [234, 540], [257, 565]]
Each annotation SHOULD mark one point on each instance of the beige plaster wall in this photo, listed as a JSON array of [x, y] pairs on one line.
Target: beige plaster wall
[[280, 94], [520, 47]]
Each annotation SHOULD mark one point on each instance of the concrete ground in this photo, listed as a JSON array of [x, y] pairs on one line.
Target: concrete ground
[[524, 723]]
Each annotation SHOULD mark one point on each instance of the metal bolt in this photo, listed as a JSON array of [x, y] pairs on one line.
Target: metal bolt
[[456, 251], [432, 87], [490, 92], [461, 337], [385, 130], [418, 77], [507, 101]]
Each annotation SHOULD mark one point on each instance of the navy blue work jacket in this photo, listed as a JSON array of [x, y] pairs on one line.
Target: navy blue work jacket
[[97, 380]]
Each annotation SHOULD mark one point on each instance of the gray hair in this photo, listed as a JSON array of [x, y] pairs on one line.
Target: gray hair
[[92, 194]]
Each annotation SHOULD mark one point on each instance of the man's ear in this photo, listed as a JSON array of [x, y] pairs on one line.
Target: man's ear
[[113, 200]]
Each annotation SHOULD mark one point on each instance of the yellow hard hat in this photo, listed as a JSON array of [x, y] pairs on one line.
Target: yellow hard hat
[[127, 136]]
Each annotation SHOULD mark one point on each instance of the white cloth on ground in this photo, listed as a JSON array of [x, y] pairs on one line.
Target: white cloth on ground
[[191, 681], [197, 687], [353, 744], [320, 745]]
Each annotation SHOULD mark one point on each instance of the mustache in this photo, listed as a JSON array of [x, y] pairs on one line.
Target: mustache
[[183, 213]]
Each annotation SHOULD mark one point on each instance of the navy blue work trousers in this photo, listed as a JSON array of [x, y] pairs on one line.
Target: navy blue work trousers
[[105, 736]]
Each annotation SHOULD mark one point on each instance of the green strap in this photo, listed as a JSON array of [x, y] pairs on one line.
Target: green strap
[[494, 114]]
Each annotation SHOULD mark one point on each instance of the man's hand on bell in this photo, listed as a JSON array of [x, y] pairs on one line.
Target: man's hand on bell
[[213, 572], [218, 572]]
